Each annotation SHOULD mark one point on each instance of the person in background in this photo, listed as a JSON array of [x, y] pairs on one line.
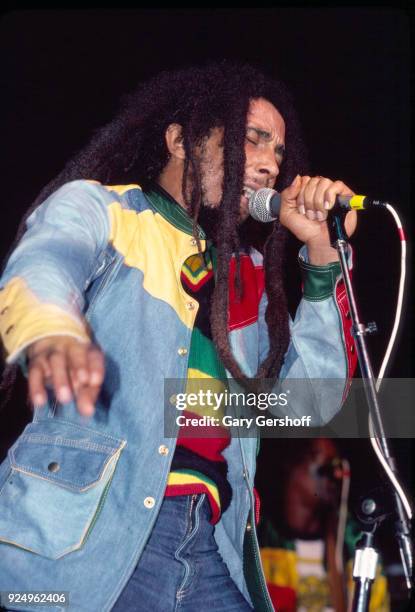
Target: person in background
[[306, 537]]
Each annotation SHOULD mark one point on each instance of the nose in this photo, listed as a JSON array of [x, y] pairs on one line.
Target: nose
[[267, 164]]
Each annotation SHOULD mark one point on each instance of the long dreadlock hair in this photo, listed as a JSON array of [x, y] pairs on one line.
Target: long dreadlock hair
[[132, 148]]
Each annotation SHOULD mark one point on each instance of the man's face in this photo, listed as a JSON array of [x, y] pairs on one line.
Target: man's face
[[319, 475], [264, 150]]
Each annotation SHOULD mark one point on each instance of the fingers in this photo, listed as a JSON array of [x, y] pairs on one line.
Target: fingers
[[318, 195], [304, 212], [292, 191], [60, 379], [87, 375], [37, 383], [335, 189], [74, 370]]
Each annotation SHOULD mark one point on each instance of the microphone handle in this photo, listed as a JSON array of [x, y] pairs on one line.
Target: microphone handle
[[343, 203], [357, 202]]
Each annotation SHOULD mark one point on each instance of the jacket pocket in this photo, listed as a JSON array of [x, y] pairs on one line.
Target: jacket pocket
[[58, 477]]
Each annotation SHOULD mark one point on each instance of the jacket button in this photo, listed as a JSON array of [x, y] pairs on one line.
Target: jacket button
[[163, 450], [182, 351], [54, 467], [248, 526], [189, 306], [149, 502], [193, 242]]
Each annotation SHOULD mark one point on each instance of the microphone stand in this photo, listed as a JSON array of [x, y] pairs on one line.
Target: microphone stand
[[366, 556]]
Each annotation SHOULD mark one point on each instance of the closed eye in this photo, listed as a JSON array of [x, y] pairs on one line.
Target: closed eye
[[257, 136]]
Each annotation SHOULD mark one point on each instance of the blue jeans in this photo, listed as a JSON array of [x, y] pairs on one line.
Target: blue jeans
[[181, 569]]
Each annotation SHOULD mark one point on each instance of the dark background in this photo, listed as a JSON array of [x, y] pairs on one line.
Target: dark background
[[62, 73]]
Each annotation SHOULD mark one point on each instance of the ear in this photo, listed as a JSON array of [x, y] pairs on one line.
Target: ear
[[174, 141]]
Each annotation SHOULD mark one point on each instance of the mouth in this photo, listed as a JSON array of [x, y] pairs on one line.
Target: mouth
[[247, 193]]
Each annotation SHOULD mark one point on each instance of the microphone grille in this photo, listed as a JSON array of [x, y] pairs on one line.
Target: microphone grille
[[259, 207]]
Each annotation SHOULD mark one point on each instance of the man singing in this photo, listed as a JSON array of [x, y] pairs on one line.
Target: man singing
[[138, 264]]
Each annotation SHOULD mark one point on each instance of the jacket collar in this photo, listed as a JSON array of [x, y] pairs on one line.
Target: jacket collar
[[170, 210]]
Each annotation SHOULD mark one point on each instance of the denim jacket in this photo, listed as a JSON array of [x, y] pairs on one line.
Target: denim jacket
[[78, 497]]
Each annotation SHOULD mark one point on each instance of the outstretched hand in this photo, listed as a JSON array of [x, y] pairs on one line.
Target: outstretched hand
[[74, 370]]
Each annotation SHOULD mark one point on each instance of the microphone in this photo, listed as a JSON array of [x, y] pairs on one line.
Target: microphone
[[265, 204]]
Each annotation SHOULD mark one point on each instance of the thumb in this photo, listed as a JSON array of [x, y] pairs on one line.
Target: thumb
[[292, 191]]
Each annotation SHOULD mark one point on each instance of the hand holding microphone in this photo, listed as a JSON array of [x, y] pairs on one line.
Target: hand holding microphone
[[265, 204], [302, 208]]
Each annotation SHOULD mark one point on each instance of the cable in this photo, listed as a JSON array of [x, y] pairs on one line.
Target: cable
[[389, 471], [400, 297], [373, 438]]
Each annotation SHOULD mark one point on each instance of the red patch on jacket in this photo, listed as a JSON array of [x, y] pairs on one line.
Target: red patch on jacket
[[243, 311], [351, 353]]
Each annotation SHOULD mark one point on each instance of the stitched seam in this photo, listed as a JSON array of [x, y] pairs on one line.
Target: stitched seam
[[245, 322], [319, 269], [58, 441], [83, 429], [320, 298], [72, 485]]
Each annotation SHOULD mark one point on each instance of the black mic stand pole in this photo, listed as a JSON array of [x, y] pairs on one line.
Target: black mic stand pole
[[363, 574]]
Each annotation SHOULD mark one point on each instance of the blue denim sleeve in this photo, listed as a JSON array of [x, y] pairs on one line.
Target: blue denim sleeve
[[315, 362], [43, 284]]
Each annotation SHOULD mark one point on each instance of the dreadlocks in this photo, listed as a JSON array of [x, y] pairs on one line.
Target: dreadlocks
[[132, 148]]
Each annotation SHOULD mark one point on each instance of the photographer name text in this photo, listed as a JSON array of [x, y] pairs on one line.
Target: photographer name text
[[230, 421]]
